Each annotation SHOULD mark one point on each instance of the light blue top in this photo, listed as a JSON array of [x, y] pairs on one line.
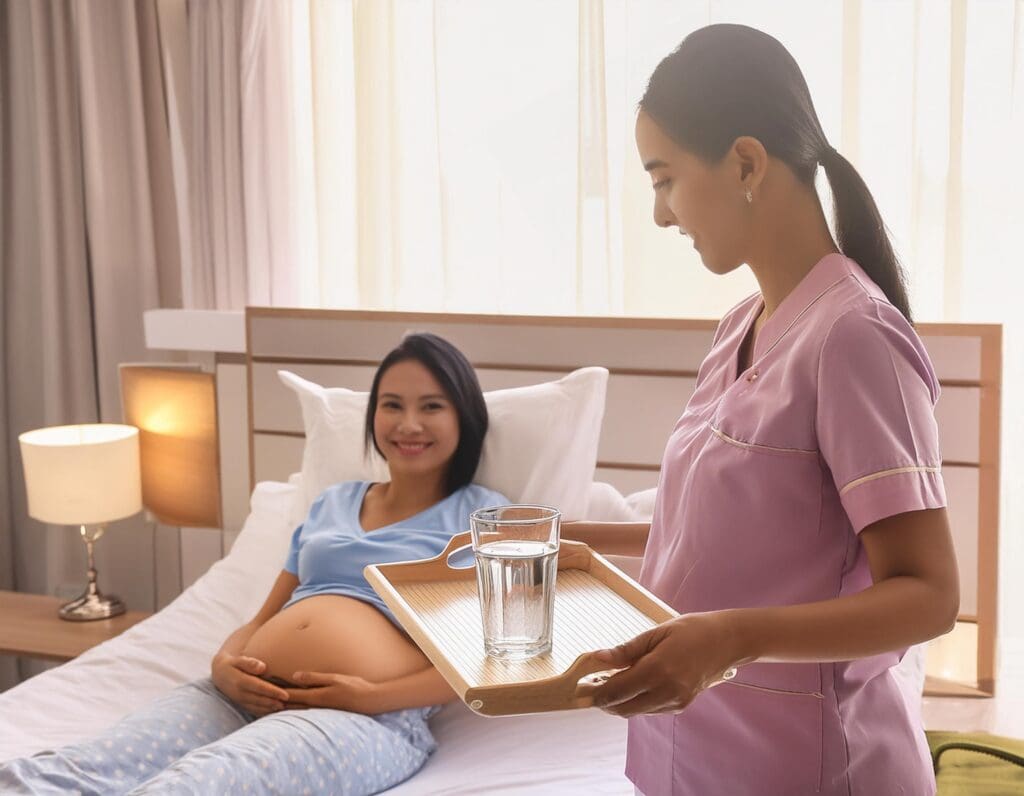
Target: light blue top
[[330, 549]]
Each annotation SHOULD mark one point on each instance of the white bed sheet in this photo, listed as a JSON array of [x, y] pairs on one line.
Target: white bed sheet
[[574, 752]]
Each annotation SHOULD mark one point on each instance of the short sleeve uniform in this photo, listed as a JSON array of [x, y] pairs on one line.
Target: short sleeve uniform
[[330, 549], [767, 480]]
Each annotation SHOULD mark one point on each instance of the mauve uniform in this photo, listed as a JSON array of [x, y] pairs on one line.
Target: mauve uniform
[[767, 480]]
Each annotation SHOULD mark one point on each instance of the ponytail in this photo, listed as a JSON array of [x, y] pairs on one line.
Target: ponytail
[[725, 81], [860, 231]]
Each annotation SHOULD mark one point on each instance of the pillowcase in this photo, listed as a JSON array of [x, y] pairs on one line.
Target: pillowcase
[[641, 504], [606, 504], [541, 443], [334, 420]]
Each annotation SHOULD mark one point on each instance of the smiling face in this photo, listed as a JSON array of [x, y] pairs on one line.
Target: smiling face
[[415, 425], [705, 202]]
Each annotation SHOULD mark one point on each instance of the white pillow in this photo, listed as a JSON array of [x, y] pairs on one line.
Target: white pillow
[[334, 452], [606, 504], [541, 443], [641, 504]]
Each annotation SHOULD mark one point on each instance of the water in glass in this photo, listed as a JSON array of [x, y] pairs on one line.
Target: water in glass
[[517, 590]]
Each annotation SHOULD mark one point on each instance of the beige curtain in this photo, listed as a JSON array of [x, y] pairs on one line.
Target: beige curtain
[[235, 173], [89, 239], [46, 357]]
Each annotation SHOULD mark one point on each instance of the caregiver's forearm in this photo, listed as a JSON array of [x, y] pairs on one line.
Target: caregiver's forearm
[[418, 690], [915, 597], [610, 538], [896, 613]]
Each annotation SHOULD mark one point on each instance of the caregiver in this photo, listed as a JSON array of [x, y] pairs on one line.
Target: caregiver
[[799, 525]]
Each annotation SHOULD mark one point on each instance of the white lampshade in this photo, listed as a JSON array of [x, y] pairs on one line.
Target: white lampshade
[[82, 475]]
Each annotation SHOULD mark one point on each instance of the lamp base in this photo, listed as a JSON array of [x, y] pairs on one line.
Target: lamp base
[[91, 606]]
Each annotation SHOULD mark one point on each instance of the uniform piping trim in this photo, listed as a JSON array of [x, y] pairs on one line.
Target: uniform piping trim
[[781, 691], [754, 446], [883, 473]]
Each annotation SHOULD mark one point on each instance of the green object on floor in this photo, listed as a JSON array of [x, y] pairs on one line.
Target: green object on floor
[[977, 764]]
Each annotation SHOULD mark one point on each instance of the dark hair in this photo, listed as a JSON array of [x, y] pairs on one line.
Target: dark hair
[[458, 380], [726, 81]]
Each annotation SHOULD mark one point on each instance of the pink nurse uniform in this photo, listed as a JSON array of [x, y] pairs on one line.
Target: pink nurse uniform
[[767, 480]]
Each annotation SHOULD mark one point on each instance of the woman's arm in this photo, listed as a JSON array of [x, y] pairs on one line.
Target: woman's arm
[[237, 675], [346, 692], [280, 593], [418, 690], [915, 597], [609, 538]]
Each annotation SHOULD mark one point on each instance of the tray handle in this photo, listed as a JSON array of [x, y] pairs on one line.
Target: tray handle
[[457, 542], [427, 568], [538, 696], [554, 693], [571, 555]]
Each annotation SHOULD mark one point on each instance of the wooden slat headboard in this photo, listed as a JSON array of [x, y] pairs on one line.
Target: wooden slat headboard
[[653, 365]]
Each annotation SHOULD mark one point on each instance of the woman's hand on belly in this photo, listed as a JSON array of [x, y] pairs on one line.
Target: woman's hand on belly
[[337, 691], [420, 689], [237, 677]]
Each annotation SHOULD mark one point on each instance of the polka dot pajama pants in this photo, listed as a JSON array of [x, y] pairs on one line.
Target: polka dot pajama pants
[[194, 740]]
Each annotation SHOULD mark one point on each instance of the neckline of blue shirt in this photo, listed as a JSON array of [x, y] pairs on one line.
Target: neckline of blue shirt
[[357, 509]]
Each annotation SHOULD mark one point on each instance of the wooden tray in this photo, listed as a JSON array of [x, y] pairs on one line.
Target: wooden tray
[[596, 606]]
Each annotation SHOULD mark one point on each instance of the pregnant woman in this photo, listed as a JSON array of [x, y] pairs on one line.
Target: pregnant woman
[[320, 692]]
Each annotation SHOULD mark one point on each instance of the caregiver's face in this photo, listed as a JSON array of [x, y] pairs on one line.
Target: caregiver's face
[[704, 202]]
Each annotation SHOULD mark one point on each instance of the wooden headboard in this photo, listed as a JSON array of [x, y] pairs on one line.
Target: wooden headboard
[[652, 366]]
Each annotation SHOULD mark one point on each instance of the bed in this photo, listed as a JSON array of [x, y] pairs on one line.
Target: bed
[[650, 368]]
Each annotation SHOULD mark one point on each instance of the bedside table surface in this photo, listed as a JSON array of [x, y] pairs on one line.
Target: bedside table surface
[[29, 626]]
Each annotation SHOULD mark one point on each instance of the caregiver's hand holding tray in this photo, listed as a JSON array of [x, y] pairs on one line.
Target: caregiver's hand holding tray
[[594, 606]]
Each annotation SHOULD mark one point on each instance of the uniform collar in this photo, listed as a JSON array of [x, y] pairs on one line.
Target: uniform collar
[[828, 272]]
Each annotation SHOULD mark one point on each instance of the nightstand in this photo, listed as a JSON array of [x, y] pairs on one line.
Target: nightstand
[[29, 626]]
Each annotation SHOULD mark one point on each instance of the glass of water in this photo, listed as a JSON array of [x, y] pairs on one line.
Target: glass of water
[[516, 551]]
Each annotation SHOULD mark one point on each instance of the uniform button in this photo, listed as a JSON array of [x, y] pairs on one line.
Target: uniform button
[[752, 376]]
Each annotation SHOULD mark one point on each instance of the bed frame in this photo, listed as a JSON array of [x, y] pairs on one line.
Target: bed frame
[[653, 366]]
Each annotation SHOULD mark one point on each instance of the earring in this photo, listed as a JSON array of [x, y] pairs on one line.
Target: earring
[[749, 195]]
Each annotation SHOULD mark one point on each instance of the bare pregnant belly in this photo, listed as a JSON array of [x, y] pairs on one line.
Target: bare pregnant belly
[[333, 633]]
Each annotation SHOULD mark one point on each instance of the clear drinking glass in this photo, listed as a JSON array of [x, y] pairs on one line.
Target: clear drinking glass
[[516, 551]]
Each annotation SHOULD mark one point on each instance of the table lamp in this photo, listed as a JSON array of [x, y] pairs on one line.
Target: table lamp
[[84, 475]]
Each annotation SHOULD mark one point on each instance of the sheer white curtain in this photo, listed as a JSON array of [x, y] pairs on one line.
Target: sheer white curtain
[[478, 156], [456, 155], [445, 158]]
